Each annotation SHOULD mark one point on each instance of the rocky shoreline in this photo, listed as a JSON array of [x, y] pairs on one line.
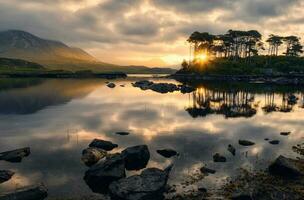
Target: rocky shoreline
[[290, 79]]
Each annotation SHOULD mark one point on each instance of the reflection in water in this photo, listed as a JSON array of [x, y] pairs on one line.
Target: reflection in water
[[64, 116]]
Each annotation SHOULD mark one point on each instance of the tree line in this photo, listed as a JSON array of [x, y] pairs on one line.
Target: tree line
[[236, 44]]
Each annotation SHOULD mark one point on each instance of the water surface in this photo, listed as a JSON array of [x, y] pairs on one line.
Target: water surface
[[59, 118]]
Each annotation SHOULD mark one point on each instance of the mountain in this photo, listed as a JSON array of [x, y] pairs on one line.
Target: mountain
[[56, 55]]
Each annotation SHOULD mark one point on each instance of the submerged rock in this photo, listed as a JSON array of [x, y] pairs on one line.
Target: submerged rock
[[219, 158], [91, 155], [102, 144], [285, 133], [5, 175], [149, 185], [136, 157], [122, 133], [231, 149], [274, 142], [207, 171], [111, 85], [102, 174], [167, 153], [287, 167], [15, 155], [28, 193], [246, 143]]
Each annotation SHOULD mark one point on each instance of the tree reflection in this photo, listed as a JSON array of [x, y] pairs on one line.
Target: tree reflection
[[233, 103], [228, 103]]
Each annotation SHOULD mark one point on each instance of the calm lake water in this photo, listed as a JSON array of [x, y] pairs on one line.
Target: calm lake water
[[59, 118]]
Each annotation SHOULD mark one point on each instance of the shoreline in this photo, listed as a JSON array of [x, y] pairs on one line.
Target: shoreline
[[261, 79]]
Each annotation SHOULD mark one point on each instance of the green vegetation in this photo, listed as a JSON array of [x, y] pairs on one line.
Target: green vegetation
[[239, 53]]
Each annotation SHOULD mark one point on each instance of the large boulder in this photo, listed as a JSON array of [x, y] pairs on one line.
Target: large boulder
[[287, 167], [91, 155], [136, 157], [28, 193], [102, 174], [149, 185], [15, 155], [103, 144], [5, 175]]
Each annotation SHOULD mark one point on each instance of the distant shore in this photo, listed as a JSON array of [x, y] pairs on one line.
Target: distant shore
[[63, 74]]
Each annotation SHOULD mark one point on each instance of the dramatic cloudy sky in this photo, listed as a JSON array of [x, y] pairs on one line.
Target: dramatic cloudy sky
[[150, 32]]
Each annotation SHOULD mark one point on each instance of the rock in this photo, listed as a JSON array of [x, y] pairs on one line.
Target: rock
[[241, 196], [167, 153], [111, 85], [186, 89], [28, 193], [149, 185], [287, 167], [102, 144], [5, 175], [246, 143], [202, 189], [231, 149], [164, 87], [15, 155], [266, 139], [144, 85], [207, 171], [102, 174], [136, 157], [218, 158], [285, 133], [122, 133], [91, 155], [122, 85], [274, 142]]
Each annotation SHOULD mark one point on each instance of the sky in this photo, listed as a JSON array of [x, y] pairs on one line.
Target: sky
[[147, 32]]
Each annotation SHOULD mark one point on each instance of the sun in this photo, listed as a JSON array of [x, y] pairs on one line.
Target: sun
[[202, 57]]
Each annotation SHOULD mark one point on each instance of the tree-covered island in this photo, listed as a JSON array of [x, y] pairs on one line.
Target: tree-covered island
[[243, 53]]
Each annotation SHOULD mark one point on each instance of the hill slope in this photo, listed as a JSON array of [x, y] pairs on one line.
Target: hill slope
[[56, 55]]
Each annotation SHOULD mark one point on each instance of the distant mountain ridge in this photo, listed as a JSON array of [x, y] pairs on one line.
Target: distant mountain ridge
[[24, 45], [56, 55]]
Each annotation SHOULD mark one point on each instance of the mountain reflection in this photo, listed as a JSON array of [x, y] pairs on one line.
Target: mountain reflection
[[27, 96]]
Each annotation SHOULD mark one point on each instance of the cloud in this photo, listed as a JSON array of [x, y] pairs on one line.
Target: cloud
[[145, 30]]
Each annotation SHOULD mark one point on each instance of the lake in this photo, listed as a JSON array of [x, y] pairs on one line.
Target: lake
[[58, 118]]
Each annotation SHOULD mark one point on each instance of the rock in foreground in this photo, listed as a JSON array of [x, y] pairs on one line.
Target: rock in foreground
[[102, 144], [149, 185], [167, 153], [5, 175], [29, 193], [91, 155], [15, 155], [136, 157], [102, 174], [287, 167]]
